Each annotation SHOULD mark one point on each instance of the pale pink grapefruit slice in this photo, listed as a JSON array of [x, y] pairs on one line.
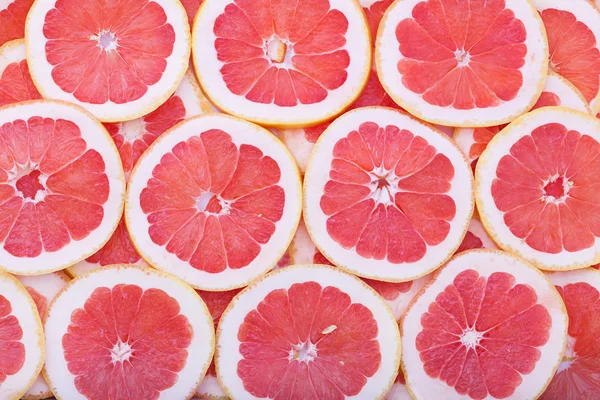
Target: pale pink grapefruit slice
[[21, 339], [537, 188], [488, 326], [13, 14], [577, 374], [127, 332], [215, 201], [282, 63], [61, 186], [386, 196], [120, 59], [312, 325], [471, 63], [15, 82]]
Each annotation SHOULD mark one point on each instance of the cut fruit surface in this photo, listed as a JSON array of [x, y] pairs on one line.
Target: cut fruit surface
[[13, 14], [282, 63], [21, 339], [15, 82], [476, 238], [120, 60], [191, 8], [385, 195], [61, 186], [537, 188], [577, 374], [215, 201], [314, 325], [127, 332], [488, 326], [477, 63]]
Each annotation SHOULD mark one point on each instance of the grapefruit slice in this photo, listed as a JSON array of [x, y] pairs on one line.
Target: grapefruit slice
[[473, 63], [537, 188], [573, 29], [42, 289], [488, 326], [15, 82], [214, 201], [557, 92], [12, 19], [21, 339], [191, 8], [61, 186], [312, 325], [385, 195], [399, 391], [127, 332], [283, 63], [577, 374], [120, 59], [476, 238]]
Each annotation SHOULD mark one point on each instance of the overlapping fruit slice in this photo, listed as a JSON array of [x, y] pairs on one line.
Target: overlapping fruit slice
[[488, 326], [215, 201], [21, 339], [119, 59], [476, 238], [537, 188], [15, 82], [61, 186], [191, 8], [127, 332], [557, 92], [470, 63], [577, 374], [399, 391], [307, 332], [12, 19], [385, 195], [283, 63]]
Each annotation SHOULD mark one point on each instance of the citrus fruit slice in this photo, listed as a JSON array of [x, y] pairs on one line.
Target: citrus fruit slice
[[127, 332], [61, 186], [473, 63], [191, 8], [120, 59], [214, 201], [577, 373], [557, 92], [399, 391], [488, 326], [15, 82], [312, 325], [21, 339], [12, 19], [42, 289], [537, 188], [573, 29], [476, 238], [283, 63], [386, 197]]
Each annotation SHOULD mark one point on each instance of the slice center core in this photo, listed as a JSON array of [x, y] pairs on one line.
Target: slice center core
[[384, 185], [133, 130], [121, 352], [556, 188], [106, 40], [303, 352], [462, 57], [276, 50], [212, 203], [30, 186], [471, 338]]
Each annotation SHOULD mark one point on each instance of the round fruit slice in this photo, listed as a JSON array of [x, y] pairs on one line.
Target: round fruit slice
[[557, 92], [386, 197], [120, 59], [573, 29], [315, 326], [21, 339], [214, 201], [285, 63], [12, 19], [487, 326], [476, 238], [61, 186], [473, 63], [15, 82], [42, 289], [537, 188], [127, 332]]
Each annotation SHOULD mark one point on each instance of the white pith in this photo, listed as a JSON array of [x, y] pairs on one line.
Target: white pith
[[11, 52], [74, 296], [485, 262], [228, 354], [493, 219], [301, 149]]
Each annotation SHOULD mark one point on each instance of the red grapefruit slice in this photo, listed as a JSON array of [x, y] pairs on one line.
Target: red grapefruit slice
[[120, 60], [15, 82], [473, 63], [61, 186], [127, 332], [191, 8], [488, 326], [214, 201], [307, 331], [21, 339], [13, 14], [476, 238], [537, 188], [282, 63], [385, 195], [577, 373]]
